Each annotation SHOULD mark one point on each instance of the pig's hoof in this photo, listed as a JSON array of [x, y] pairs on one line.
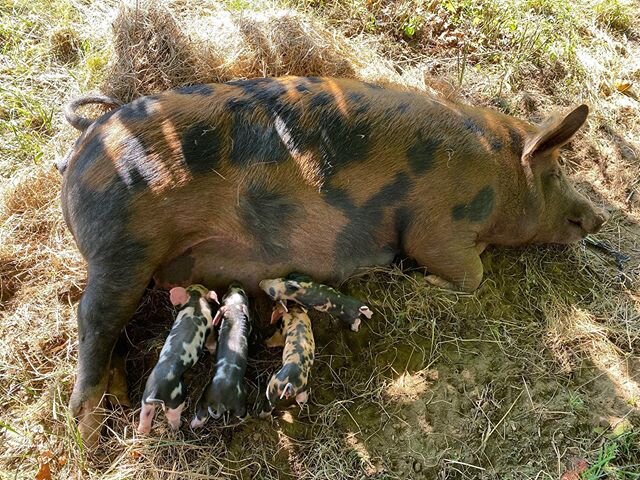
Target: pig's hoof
[[355, 326], [436, 281], [215, 414], [366, 311], [90, 418]]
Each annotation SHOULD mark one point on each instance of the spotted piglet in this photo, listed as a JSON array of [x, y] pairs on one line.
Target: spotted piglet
[[297, 356], [302, 290], [180, 352], [227, 391]]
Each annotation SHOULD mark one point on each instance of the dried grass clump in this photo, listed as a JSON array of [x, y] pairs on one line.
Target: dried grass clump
[[157, 48], [287, 43], [152, 53], [65, 45]]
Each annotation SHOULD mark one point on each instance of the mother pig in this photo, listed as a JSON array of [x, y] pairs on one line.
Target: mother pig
[[258, 178]]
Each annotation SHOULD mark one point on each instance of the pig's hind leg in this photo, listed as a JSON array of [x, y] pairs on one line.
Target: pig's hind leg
[[108, 303]]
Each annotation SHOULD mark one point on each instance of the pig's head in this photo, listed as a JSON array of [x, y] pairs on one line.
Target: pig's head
[[557, 212], [180, 296]]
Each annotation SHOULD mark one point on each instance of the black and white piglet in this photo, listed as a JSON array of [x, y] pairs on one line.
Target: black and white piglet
[[180, 352], [227, 391]]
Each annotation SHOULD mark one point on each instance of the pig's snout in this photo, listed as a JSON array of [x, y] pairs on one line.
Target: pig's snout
[[590, 221]]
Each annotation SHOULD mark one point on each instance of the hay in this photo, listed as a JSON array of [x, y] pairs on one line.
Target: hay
[[156, 49], [437, 384]]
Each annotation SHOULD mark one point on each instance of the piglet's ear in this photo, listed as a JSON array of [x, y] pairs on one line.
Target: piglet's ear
[[178, 296], [556, 132], [213, 296], [287, 392]]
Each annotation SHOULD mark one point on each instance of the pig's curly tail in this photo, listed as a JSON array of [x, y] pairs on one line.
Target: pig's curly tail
[[82, 123]]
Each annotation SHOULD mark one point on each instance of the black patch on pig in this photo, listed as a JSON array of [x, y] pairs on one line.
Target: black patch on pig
[[269, 216], [338, 198], [359, 104], [516, 141], [472, 126], [340, 141], [238, 105], [201, 147], [139, 109], [478, 209], [265, 91], [403, 107], [421, 154], [255, 143], [302, 88], [373, 86], [204, 90], [321, 99], [496, 143], [402, 219], [315, 80], [135, 171], [356, 241]]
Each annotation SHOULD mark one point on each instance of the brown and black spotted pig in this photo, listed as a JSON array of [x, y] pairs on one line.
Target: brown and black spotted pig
[[312, 175]]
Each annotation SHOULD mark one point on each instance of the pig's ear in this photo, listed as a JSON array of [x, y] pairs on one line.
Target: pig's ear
[[213, 296], [178, 296], [556, 132]]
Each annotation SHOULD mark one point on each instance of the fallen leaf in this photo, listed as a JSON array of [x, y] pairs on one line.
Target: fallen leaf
[[44, 473]]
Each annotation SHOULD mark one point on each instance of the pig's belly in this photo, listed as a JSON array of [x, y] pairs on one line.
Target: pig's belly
[[216, 265]]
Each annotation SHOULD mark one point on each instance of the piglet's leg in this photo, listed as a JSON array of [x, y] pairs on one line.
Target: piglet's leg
[[302, 398], [275, 340], [146, 417], [355, 325], [173, 416], [211, 343]]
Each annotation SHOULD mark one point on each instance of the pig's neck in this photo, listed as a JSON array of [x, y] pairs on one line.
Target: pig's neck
[[518, 204]]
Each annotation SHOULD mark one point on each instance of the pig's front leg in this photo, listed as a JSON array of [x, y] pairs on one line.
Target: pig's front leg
[[457, 270]]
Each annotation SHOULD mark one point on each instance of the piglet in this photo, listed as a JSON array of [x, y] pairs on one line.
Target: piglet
[[180, 352], [302, 290], [227, 391], [297, 356]]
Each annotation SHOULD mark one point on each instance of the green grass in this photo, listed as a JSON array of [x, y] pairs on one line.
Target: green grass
[[45, 50], [617, 459]]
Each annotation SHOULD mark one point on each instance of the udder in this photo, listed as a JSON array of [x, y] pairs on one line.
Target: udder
[[216, 265]]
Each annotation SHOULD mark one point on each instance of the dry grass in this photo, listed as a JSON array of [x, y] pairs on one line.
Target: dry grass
[[535, 370]]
